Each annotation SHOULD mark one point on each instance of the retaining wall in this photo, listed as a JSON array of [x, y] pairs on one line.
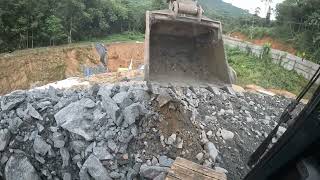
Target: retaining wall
[[288, 61]]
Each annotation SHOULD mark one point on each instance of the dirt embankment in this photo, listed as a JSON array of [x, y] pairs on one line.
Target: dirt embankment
[[275, 44], [28, 68]]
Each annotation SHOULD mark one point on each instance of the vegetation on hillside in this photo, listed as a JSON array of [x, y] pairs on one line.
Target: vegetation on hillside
[[229, 15], [222, 9], [297, 24], [261, 71], [31, 23], [127, 36]]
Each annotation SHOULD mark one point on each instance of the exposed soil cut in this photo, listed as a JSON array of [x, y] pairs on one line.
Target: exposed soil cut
[[29, 68], [121, 54], [275, 44]]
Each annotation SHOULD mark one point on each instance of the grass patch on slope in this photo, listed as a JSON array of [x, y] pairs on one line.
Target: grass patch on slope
[[253, 70], [122, 37]]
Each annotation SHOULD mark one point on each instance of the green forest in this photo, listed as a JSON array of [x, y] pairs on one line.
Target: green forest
[[297, 24], [37, 23]]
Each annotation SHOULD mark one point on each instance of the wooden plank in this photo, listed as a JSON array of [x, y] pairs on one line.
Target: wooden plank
[[187, 174], [183, 169], [196, 167]]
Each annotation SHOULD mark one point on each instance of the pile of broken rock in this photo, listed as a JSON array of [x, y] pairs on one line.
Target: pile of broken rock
[[72, 134], [117, 131]]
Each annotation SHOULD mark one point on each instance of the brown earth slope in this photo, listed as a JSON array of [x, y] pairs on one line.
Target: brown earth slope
[[275, 44], [28, 68]]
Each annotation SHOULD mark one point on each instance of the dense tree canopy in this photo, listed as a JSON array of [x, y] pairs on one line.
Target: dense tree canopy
[[33, 23], [298, 21]]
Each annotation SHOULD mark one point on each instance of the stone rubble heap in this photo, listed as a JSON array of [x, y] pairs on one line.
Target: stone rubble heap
[[73, 134], [103, 132]]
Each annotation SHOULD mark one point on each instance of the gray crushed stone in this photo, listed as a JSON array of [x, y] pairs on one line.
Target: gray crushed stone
[[131, 130]]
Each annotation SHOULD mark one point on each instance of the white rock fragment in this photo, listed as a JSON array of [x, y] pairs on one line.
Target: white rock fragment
[[40, 127], [221, 112], [204, 139], [199, 156], [172, 139], [249, 119], [4, 138], [207, 163], [162, 140], [40, 146], [274, 140], [163, 98], [266, 122], [209, 134], [212, 151], [225, 134], [179, 143], [281, 131]]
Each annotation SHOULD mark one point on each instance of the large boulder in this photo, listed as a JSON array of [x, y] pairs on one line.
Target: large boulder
[[212, 151], [163, 98], [12, 100], [18, 167], [40, 146], [93, 167], [140, 95], [123, 99], [33, 112], [77, 118], [111, 107], [105, 91], [152, 172], [14, 124], [131, 114], [4, 138]]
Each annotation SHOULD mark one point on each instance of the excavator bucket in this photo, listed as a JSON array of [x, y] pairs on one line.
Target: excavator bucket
[[184, 49]]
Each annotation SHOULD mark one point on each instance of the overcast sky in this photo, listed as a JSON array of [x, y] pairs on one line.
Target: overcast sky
[[251, 5]]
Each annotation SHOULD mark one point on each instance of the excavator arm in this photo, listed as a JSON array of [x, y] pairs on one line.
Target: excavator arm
[[188, 7]]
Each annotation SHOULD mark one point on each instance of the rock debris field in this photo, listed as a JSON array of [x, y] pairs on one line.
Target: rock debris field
[[131, 130]]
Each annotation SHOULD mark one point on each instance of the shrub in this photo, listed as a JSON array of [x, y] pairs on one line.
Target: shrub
[[265, 53], [251, 70]]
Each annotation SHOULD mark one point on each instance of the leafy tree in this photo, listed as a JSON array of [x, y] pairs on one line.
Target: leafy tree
[[298, 23], [73, 14], [54, 29], [257, 11]]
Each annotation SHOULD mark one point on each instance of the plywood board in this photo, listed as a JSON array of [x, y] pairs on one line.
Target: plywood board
[[187, 170]]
